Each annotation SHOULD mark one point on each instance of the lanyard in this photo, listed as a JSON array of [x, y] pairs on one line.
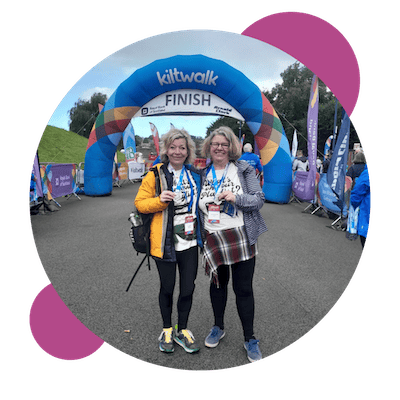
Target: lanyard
[[179, 187], [217, 185]]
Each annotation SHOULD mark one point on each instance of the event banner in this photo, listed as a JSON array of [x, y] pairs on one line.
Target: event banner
[[58, 180], [299, 185], [123, 171], [304, 185], [38, 191], [336, 175], [136, 170], [129, 142], [328, 199], [295, 144], [312, 135], [154, 132], [327, 147], [188, 101]]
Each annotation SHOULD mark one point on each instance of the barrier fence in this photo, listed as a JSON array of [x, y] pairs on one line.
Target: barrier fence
[[49, 181], [68, 179], [59, 180]]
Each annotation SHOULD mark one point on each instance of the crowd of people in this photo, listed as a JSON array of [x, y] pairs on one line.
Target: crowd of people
[[360, 197]]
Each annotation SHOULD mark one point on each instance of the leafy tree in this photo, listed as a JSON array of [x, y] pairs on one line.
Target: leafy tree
[[290, 100], [83, 115], [238, 128]]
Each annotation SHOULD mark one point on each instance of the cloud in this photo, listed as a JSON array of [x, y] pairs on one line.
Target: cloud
[[258, 60], [268, 84], [87, 94]]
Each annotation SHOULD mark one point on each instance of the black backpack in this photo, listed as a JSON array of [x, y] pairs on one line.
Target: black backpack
[[140, 231], [140, 237]]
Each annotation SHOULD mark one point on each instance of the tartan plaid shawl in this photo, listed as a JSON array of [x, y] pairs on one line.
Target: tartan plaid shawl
[[226, 247]]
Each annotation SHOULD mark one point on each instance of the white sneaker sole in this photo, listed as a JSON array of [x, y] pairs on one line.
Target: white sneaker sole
[[185, 348], [250, 359], [212, 345]]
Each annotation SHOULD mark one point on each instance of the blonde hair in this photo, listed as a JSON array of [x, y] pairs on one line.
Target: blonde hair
[[235, 150], [169, 137]]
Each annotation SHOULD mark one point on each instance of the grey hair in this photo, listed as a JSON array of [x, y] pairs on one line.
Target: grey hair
[[359, 158], [169, 137], [247, 148], [234, 145]]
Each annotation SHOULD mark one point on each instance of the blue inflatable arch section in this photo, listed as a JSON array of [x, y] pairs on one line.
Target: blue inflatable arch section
[[189, 72]]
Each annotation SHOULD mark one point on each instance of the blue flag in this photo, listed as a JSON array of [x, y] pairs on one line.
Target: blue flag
[[336, 175], [129, 142]]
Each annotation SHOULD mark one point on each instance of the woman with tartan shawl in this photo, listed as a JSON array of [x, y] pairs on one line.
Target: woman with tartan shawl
[[230, 200]]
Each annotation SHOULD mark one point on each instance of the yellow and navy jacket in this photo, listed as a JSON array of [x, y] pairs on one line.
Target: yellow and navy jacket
[[148, 201]]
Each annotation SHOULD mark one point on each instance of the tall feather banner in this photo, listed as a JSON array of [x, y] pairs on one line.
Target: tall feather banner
[[156, 139], [304, 182]]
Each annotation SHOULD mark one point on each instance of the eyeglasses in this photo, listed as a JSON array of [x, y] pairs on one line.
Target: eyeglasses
[[216, 145]]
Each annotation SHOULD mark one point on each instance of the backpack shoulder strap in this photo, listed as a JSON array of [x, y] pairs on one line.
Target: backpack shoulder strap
[[156, 172]]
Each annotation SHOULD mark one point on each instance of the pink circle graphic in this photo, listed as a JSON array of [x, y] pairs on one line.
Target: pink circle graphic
[[317, 45], [57, 331]]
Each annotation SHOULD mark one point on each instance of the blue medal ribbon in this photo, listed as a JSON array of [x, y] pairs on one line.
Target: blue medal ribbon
[[179, 188]]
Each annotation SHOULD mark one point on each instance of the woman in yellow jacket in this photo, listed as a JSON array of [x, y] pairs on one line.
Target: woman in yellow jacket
[[170, 192]]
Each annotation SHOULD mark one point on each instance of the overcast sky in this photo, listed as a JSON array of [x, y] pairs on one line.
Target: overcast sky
[[260, 62]]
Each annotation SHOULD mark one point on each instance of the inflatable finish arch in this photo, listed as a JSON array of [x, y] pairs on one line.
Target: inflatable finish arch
[[189, 72]]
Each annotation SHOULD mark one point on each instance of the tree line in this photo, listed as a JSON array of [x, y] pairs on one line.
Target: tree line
[[290, 100]]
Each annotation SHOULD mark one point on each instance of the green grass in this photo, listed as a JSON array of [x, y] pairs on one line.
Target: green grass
[[58, 146]]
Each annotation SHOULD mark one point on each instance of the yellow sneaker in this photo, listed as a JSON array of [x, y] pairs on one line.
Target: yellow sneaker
[[186, 339], [166, 343]]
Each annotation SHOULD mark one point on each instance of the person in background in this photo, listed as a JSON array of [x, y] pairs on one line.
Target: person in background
[[361, 197], [170, 191], [319, 166], [230, 200], [251, 158], [357, 167], [139, 157], [300, 163], [326, 162]]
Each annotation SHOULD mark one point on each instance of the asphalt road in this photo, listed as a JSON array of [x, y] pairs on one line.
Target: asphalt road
[[302, 268]]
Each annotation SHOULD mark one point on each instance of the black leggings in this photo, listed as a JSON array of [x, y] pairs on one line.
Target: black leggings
[[242, 281], [187, 265]]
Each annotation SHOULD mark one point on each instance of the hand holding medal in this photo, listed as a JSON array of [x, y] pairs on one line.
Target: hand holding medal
[[227, 195], [166, 196]]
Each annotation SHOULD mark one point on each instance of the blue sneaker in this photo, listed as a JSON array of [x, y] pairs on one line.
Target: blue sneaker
[[253, 351], [215, 335]]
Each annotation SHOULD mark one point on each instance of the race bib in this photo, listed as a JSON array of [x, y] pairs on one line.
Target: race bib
[[189, 225], [214, 213]]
